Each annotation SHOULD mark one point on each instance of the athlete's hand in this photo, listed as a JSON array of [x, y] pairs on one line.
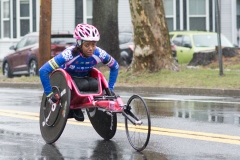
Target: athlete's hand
[[53, 98]]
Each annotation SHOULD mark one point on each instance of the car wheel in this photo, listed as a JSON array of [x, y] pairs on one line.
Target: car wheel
[[32, 68], [125, 57], [176, 60], [7, 71]]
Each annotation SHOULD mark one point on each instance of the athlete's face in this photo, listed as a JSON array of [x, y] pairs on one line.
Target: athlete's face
[[88, 48]]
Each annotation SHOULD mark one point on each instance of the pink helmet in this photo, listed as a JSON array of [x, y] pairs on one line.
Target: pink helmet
[[86, 32]]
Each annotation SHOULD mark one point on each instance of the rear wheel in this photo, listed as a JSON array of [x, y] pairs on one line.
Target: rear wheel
[[104, 124], [32, 68], [138, 134], [6, 70], [53, 117]]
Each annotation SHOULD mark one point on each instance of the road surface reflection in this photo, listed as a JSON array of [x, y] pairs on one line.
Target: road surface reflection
[[215, 112]]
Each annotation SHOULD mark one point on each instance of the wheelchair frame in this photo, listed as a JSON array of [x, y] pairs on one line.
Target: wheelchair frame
[[103, 104]]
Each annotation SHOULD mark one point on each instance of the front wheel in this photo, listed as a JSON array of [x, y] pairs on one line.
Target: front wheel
[[138, 134], [32, 68], [7, 71]]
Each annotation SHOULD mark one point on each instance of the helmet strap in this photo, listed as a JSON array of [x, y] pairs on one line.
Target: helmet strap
[[79, 43]]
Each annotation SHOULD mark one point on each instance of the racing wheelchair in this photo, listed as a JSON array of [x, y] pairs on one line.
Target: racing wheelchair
[[102, 107]]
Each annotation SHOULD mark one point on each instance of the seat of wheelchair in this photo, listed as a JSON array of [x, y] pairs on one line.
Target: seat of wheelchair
[[86, 91]]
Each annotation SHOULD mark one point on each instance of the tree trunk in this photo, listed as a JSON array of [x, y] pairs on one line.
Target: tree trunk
[[105, 18], [152, 50]]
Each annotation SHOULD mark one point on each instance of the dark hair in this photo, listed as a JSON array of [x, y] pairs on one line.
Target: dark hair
[[76, 50]]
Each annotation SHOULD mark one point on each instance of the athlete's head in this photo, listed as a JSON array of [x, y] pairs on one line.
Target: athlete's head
[[86, 36]]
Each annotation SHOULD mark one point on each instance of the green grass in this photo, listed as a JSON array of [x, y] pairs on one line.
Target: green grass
[[187, 77], [200, 77]]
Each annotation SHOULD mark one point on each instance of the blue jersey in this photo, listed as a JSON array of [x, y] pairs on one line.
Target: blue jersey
[[78, 66]]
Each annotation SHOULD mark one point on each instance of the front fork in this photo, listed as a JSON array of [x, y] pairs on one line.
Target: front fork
[[130, 116]]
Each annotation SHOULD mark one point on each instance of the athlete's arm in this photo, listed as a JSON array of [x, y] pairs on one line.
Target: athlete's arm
[[112, 64], [50, 66]]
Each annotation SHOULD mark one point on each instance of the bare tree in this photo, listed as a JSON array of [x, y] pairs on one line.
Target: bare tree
[[151, 38], [105, 18]]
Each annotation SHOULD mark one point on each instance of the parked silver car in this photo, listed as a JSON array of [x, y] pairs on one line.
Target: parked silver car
[[126, 46]]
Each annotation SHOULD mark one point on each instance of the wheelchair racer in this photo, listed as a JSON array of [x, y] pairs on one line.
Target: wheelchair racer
[[78, 60]]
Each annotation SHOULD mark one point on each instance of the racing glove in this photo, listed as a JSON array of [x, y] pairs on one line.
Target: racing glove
[[53, 98]]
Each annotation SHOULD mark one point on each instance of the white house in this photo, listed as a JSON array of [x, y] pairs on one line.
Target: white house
[[201, 15], [18, 17]]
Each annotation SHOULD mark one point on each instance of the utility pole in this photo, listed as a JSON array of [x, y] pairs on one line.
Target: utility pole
[[218, 18], [45, 32]]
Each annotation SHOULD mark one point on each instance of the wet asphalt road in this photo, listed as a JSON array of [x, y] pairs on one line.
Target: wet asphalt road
[[183, 127]]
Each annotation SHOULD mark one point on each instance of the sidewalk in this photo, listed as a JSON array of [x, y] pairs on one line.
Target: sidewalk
[[153, 90]]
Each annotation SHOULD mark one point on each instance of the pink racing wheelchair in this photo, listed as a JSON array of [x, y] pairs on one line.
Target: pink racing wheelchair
[[101, 107]]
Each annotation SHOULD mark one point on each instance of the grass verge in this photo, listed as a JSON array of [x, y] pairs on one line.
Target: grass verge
[[199, 77]]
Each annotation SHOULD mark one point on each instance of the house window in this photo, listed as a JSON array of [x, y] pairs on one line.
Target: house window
[[169, 13], [24, 17], [6, 19], [197, 14], [88, 12]]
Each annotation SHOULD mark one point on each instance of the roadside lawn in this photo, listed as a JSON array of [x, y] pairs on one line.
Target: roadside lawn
[[194, 77]]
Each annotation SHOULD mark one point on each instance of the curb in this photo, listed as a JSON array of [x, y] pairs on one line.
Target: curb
[[20, 85], [148, 90], [183, 91]]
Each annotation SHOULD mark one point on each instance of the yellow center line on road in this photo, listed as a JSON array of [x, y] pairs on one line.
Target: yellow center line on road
[[19, 114], [222, 138]]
